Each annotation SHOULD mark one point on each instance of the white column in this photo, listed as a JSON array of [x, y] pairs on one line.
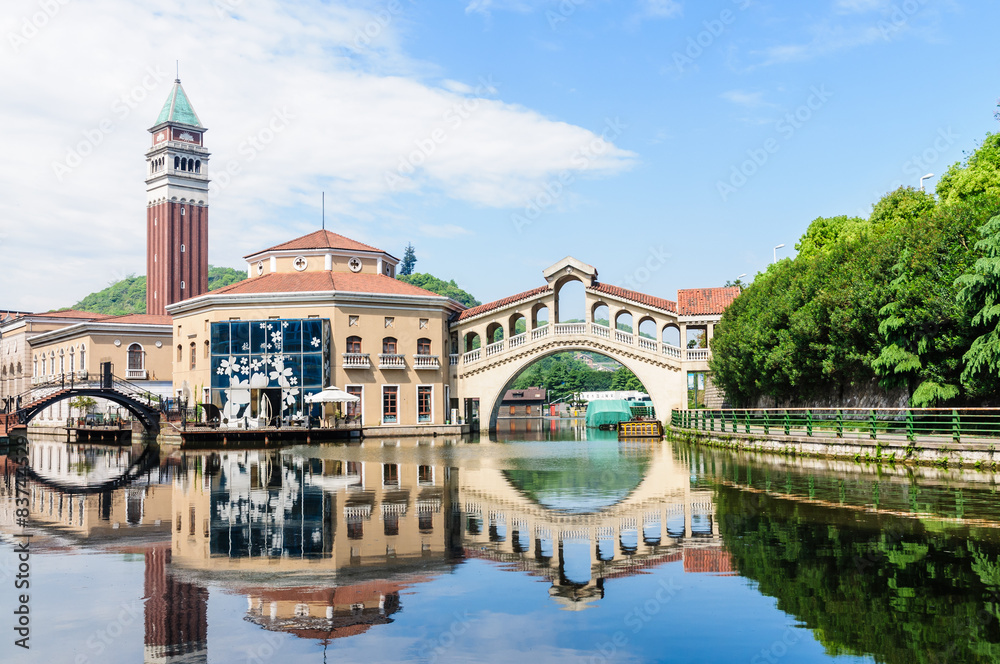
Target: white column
[[274, 264]]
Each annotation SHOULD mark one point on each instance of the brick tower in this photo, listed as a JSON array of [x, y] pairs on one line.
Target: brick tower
[[176, 206]]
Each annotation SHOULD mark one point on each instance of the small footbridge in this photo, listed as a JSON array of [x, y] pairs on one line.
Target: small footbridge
[[647, 334], [21, 409]]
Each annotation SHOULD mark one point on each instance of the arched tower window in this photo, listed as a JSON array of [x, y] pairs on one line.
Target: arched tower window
[[353, 344], [177, 163]]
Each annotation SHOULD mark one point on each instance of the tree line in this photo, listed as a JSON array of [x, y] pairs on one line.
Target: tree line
[[908, 299]]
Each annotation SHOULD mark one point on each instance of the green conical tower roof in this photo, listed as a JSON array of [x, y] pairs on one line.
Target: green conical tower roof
[[178, 109]]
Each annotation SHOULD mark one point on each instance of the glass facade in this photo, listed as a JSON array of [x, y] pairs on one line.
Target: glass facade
[[264, 368]]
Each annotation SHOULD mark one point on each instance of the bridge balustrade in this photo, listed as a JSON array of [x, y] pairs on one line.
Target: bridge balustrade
[[570, 328], [624, 337], [517, 340], [494, 348], [599, 330]]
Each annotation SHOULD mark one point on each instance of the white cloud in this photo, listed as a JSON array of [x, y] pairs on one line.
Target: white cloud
[[661, 8], [748, 99], [298, 98]]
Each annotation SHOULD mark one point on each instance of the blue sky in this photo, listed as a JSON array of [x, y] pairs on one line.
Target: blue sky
[[670, 144]]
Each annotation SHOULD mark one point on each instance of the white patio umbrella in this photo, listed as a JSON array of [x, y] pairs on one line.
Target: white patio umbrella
[[332, 394]]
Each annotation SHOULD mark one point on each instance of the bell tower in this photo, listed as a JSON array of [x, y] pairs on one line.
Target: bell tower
[[176, 206]]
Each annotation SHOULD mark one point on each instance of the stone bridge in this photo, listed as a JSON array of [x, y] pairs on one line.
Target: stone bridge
[[649, 335]]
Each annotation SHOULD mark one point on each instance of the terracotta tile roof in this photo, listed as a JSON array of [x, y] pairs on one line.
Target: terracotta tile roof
[[697, 301], [320, 240], [305, 282], [635, 296], [72, 313], [499, 304], [140, 319], [527, 394]]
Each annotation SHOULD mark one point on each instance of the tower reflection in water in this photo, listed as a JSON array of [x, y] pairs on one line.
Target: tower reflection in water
[[323, 541]]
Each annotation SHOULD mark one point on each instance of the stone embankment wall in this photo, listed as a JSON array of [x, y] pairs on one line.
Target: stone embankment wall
[[975, 454]]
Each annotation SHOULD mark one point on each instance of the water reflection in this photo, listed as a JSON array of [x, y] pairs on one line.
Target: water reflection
[[327, 543]]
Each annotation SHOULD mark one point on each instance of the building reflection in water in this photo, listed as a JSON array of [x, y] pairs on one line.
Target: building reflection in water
[[322, 541]]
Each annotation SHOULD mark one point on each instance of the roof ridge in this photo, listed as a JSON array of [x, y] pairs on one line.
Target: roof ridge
[[502, 302]]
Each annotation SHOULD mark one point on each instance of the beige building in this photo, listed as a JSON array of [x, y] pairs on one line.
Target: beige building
[[316, 311], [70, 346]]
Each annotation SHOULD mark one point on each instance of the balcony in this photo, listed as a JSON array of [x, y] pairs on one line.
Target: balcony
[[453, 359], [135, 374], [357, 361], [391, 361], [426, 362]]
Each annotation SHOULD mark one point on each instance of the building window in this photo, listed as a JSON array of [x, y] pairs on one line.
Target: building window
[[83, 358], [354, 408], [424, 405], [136, 358], [389, 346], [194, 355], [183, 286], [390, 474], [208, 347], [353, 344], [180, 353], [423, 323], [183, 249], [423, 346], [390, 404], [72, 360]]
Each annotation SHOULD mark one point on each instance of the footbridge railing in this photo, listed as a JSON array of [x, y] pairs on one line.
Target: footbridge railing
[[594, 330], [887, 424]]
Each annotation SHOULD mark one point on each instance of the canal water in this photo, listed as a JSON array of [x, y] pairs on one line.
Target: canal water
[[550, 543]]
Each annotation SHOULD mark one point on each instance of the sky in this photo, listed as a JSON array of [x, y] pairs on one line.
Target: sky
[[668, 143]]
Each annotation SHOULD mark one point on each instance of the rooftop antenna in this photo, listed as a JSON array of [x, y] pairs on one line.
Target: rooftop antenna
[[324, 210], [178, 62]]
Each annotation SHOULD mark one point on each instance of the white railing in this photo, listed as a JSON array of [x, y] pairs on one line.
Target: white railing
[[453, 359], [517, 340], [494, 348], [357, 361], [472, 356], [623, 337], [135, 374], [697, 354], [81, 375], [426, 362], [571, 328], [672, 351], [391, 361], [539, 332], [647, 344], [599, 330]]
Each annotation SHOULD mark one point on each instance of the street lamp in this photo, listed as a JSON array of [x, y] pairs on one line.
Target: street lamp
[[775, 253], [929, 175]]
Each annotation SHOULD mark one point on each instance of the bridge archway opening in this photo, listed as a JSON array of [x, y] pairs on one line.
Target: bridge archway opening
[[624, 322], [34, 410], [494, 333], [517, 324], [539, 316], [472, 341], [566, 373], [571, 300], [672, 336], [647, 328], [601, 314]]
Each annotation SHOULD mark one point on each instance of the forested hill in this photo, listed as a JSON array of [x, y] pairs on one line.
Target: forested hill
[[439, 286], [128, 296], [906, 298]]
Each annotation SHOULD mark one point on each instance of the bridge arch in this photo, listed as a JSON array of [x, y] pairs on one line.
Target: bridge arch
[[570, 299], [656, 378], [149, 417], [600, 311], [537, 309]]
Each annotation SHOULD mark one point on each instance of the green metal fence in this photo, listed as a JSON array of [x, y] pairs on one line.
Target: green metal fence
[[910, 424]]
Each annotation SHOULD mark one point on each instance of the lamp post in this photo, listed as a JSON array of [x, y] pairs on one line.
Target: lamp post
[[929, 175], [774, 253]]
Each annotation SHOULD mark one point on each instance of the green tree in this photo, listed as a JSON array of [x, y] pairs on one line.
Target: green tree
[[980, 291], [979, 174], [128, 295], [409, 261], [435, 285]]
